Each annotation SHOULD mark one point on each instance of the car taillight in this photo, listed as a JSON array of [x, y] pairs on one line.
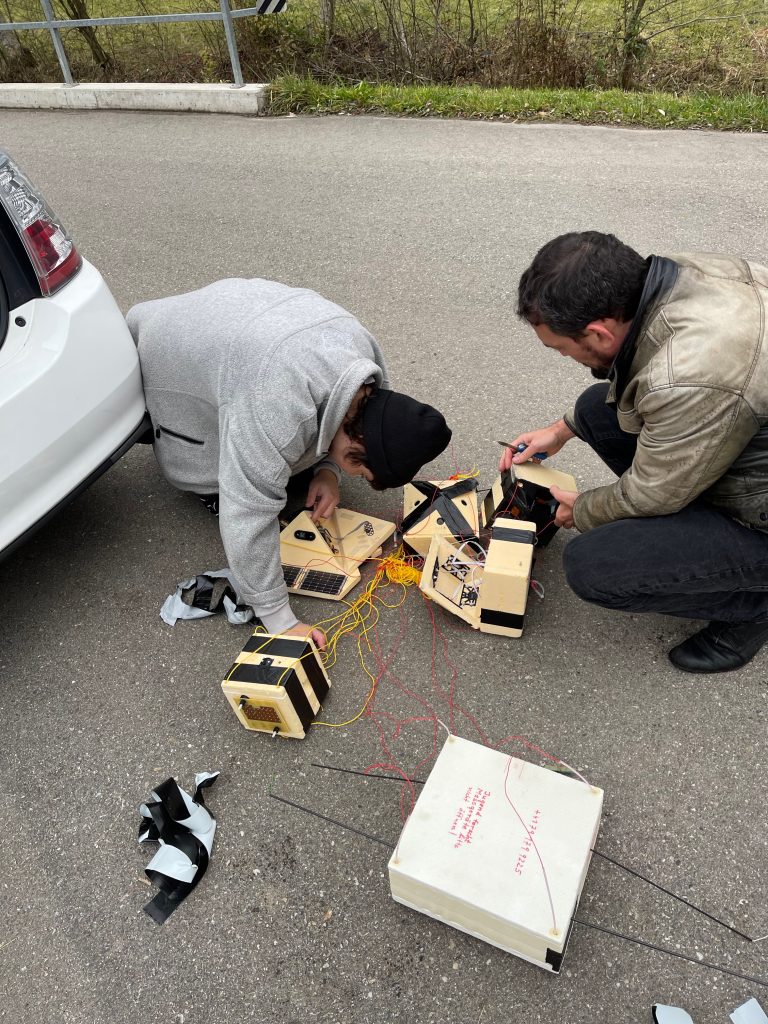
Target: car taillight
[[48, 245]]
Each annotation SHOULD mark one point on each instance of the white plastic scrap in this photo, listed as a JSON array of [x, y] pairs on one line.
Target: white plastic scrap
[[750, 1012], [670, 1015], [174, 607], [174, 862]]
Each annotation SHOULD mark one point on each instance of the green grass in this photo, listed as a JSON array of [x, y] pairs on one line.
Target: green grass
[[552, 43], [649, 110]]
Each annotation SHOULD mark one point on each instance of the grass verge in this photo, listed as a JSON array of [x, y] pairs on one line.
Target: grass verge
[[580, 106]]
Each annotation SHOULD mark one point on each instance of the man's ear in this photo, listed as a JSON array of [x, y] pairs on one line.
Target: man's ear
[[608, 334]]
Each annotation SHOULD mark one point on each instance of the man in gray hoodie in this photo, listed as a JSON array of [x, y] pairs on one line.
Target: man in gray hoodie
[[250, 382]]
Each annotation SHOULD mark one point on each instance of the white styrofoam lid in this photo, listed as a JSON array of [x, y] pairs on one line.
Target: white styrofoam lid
[[507, 837]]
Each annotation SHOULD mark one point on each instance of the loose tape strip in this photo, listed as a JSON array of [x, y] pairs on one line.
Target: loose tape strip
[[184, 828]]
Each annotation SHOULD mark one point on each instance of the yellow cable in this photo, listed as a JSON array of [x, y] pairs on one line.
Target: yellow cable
[[359, 617], [465, 476], [363, 613]]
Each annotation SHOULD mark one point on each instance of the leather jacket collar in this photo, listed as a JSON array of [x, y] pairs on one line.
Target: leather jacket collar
[[659, 279]]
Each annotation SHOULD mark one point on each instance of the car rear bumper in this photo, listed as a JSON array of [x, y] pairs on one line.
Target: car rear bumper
[[144, 426], [70, 399]]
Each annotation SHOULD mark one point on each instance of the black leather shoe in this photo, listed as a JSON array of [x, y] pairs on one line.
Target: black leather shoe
[[720, 647]]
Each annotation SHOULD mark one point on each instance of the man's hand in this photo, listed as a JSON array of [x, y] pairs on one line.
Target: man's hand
[[323, 494], [564, 513], [548, 439], [301, 629]]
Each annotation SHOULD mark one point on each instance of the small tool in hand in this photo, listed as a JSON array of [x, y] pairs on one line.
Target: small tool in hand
[[540, 456]]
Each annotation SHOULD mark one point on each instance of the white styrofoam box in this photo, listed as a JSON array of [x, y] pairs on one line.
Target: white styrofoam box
[[498, 848]]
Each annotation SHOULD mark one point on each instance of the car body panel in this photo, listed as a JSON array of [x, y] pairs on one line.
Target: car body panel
[[70, 397]]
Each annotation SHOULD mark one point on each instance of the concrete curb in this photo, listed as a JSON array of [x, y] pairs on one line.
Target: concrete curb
[[215, 99]]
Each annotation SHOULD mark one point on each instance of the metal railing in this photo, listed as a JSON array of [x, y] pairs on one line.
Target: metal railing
[[226, 15]]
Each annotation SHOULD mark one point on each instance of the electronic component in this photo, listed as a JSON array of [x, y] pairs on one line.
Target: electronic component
[[487, 590], [523, 493], [498, 848], [277, 685], [323, 559], [439, 508], [452, 576]]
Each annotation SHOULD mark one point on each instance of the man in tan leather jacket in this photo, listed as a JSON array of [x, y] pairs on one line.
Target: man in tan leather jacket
[[682, 343]]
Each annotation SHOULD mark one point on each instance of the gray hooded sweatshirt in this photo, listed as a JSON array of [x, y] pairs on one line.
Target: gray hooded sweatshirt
[[246, 382]]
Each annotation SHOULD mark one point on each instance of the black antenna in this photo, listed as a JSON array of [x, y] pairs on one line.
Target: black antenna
[[598, 853], [367, 775], [671, 952], [323, 817], [674, 895], [576, 920]]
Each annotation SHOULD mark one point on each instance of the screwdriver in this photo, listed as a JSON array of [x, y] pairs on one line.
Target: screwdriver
[[539, 456]]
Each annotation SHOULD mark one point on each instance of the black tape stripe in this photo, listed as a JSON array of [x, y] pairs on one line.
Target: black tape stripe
[[171, 800], [315, 676], [278, 647], [493, 618], [517, 536], [440, 500], [245, 672], [282, 647], [298, 698], [431, 493], [459, 488], [163, 812], [454, 520]]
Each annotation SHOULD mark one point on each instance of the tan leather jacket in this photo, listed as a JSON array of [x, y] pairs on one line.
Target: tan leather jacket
[[696, 394]]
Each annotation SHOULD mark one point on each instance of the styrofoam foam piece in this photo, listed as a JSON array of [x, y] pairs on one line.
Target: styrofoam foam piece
[[498, 848]]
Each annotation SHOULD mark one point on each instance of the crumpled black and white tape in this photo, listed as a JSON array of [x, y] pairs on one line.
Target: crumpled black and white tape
[[184, 828]]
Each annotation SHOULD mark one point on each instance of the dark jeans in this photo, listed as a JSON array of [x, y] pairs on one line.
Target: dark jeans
[[697, 563]]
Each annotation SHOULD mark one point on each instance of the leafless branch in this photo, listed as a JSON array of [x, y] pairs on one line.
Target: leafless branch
[[698, 21]]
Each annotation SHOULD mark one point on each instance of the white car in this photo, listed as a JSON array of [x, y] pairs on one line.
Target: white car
[[71, 401]]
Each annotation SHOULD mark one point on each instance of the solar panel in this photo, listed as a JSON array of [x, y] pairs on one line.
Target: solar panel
[[323, 582], [291, 574]]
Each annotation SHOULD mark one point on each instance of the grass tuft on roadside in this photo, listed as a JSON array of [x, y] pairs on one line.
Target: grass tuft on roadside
[[746, 113]]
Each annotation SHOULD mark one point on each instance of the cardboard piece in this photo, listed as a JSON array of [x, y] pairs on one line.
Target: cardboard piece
[[277, 684], [323, 559], [498, 848]]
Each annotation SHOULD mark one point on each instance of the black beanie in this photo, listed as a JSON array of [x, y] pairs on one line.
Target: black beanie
[[400, 436]]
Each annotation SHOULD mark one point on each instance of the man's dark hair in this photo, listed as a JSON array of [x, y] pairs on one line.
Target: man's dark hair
[[581, 277], [353, 428]]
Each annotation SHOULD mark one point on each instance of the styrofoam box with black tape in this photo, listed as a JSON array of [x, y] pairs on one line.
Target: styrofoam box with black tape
[[498, 848]]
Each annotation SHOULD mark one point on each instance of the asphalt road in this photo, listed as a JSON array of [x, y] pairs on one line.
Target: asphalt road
[[422, 229]]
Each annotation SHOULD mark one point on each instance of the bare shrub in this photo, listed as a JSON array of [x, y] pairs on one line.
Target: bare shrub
[[718, 45]]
